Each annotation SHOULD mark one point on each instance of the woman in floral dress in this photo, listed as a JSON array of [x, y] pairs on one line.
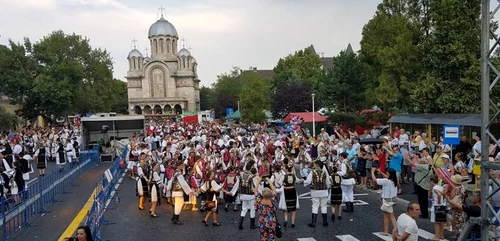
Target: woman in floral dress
[[267, 205]]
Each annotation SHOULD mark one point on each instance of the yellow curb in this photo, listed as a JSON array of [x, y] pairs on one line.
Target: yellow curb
[[79, 217]]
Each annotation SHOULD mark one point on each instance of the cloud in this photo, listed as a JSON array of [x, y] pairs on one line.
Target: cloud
[[222, 33]]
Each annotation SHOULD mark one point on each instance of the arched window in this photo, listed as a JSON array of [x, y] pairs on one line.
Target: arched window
[[130, 64], [161, 45], [155, 46], [183, 62], [169, 46], [133, 59], [174, 46]]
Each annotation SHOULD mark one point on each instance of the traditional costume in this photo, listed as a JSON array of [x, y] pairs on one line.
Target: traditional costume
[[247, 184], [319, 181], [178, 186]]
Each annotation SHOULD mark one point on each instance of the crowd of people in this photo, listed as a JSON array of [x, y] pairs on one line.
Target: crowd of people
[[23, 149], [204, 166]]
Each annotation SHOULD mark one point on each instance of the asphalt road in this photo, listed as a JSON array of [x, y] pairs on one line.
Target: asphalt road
[[129, 223]]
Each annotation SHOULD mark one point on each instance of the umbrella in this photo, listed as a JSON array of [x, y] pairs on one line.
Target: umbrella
[[372, 141]]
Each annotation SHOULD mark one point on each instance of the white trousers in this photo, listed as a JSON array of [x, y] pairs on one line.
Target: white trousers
[[318, 202], [248, 205], [178, 204], [347, 192], [70, 156]]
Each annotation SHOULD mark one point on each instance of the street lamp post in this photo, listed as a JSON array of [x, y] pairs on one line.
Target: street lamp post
[[314, 118]]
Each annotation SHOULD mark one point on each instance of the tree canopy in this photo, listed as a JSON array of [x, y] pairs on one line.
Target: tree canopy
[[60, 75]]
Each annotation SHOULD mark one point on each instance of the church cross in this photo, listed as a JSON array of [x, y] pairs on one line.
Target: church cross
[[190, 49], [146, 49], [134, 42], [161, 11], [322, 54], [183, 40]]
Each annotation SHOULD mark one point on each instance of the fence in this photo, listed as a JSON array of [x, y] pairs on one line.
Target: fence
[[41, 193], [106, 188]]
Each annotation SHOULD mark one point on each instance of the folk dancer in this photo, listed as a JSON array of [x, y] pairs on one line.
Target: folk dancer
[[304, 160], [76, 147], [133, 158], [319, 181], [190, 198], [155, 187], [289, 200], [70, 152], [61, 156], [230, 184], [347, 184], [9, 158], [211, 188], [142, 181], [248, 183], [178, 186], [40, 157], [335, 193]]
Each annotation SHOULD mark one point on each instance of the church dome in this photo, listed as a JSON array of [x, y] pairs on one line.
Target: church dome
[[162, 27], [193, 60], [135, 53], [148, 59], [184, 52]]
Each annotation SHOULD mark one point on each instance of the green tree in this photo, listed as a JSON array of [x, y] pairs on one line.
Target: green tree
[[226, 91], [7, 121], [303, 64], [59, 75], [391, 46], [254, 98], [345, 84], [206, 98], [453, 59]]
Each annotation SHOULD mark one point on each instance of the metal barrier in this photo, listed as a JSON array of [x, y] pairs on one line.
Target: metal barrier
[[17, 211], [106, 189]]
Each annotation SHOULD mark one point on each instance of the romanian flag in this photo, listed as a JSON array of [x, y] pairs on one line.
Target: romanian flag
[[444, 175]]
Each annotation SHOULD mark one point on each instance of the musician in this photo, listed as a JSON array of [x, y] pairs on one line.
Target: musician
[[178, 186]]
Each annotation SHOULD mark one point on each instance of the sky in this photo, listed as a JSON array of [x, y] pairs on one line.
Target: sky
[[221, 33]]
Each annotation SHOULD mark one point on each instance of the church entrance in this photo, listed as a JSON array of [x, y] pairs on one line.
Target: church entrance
[[158, 109], [147, 109], [137, 110], [178, 109], [168, 109]]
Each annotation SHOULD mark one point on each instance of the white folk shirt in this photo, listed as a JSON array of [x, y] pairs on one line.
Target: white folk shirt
[[343, 172], [318, 193], [184, 185]]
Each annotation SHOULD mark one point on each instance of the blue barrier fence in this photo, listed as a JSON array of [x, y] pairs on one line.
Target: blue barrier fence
[[17, 211], [106, 189]]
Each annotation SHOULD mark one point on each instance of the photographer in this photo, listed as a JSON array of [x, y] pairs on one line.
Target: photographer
[[82, 234]]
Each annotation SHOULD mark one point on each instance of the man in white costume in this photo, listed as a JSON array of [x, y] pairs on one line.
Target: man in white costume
[[319, 181], [178, 186]]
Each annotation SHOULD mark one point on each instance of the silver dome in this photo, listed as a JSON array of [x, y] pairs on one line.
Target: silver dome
[[135, 53], [148, 59], [162, 27], [184, 52]]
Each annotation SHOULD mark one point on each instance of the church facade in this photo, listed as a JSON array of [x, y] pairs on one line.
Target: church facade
[[167, 82]]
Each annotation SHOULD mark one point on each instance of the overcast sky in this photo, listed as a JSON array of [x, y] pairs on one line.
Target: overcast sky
[[221, 33]]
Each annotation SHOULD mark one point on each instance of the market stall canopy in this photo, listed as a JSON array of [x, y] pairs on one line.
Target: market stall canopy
[[306, 117], [235, 116], [438, 119]]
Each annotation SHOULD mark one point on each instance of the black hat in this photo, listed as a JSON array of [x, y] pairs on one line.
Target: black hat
[[319, 163]]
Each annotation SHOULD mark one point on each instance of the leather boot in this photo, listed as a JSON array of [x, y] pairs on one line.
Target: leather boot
[[177, 221], [325, 219], [252, 223], [241, 223], [347, 207], [313, 221], [173, 218], [352, 207], [333, 217]]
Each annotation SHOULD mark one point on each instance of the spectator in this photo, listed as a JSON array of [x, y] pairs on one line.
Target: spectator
[[389, 192], [267, 205], [473, 210], [395, 163], [407, 229], [82, 234]]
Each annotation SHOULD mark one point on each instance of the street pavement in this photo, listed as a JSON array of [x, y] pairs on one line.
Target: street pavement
[[127, 222]]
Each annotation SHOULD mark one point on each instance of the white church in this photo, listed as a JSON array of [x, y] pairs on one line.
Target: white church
[[167, 82]]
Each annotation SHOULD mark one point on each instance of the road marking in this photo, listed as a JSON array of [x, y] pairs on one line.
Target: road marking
[[70, 230], [347, 237], [386, 238], [306, 239], [307, 195], [422, 233]]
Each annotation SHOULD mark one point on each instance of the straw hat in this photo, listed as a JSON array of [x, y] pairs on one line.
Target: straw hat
[[457, 179]]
